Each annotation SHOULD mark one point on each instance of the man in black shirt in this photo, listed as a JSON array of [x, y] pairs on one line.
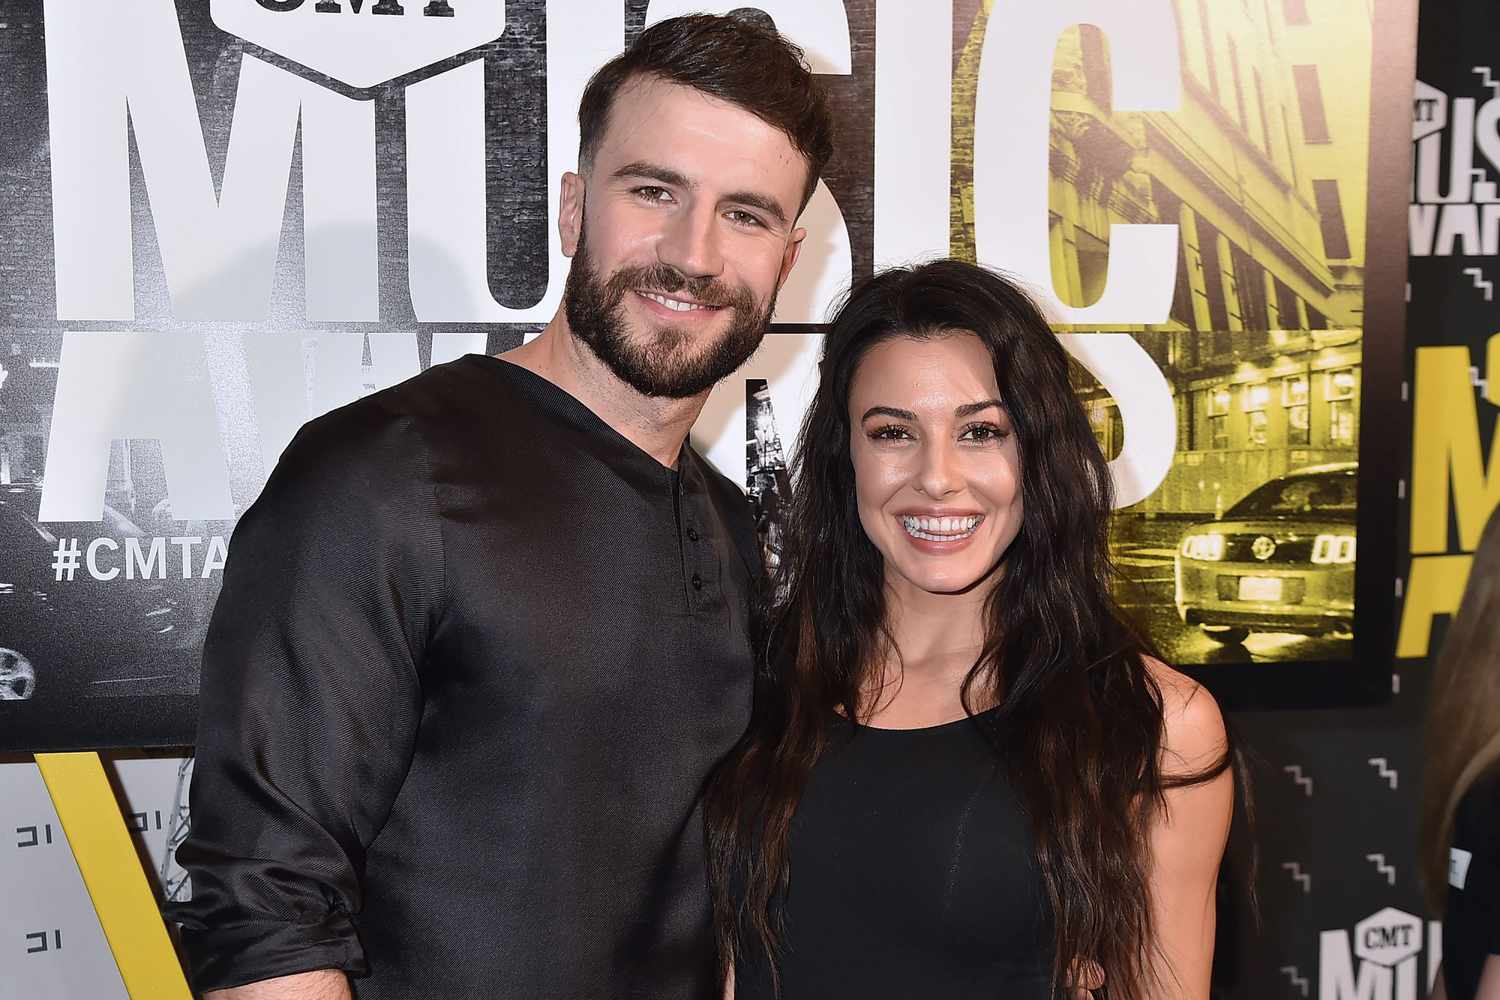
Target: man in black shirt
[[484, 635]]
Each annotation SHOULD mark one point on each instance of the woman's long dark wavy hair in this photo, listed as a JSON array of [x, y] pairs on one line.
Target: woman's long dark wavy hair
[[1080, 722], [1462, 732]]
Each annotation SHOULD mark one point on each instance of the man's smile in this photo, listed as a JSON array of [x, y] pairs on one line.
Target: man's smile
[[678, 305]]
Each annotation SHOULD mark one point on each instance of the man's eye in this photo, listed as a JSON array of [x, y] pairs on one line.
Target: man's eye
[[743, 218], [655, 195]]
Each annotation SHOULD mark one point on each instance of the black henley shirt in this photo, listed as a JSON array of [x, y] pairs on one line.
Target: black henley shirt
[[474, 656]]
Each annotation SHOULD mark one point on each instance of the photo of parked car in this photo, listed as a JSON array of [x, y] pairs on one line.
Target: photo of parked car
[[1279, 560]]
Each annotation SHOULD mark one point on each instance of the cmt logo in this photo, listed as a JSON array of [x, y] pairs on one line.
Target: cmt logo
[[1388, 945], [363, 42]]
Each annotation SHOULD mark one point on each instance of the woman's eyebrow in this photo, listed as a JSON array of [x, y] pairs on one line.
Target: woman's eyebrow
[[966, 410], [969, 409], [888, 411]]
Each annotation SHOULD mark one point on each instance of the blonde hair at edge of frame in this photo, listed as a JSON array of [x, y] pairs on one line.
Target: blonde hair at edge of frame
[[1462, 739]]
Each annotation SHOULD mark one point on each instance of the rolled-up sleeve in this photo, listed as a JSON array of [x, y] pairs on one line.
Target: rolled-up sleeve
[[310, 699]]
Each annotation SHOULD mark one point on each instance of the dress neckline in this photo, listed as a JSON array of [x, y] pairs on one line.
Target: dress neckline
[[987, 714]]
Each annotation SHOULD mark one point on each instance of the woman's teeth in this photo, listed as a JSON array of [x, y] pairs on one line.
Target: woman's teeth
[[941, 529]]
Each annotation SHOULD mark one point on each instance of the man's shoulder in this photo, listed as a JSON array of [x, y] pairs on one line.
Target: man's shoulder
[[440, 404], [454, 393], [388, 437]]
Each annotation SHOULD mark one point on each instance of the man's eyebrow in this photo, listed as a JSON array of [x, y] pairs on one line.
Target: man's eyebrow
[[763, 202], [656, 172], [666, 175], [888, 411], [969, 409]]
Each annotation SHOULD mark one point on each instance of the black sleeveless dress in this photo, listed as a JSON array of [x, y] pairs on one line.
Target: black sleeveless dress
[[912, 876]]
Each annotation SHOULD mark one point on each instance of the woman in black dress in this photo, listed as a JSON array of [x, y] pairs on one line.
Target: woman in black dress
[[965, 775], [1461, 786]]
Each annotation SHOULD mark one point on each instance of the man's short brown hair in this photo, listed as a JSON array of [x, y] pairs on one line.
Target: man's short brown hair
[[735, 58]]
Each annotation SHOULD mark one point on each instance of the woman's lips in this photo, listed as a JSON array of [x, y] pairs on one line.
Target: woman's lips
[[939, 534]]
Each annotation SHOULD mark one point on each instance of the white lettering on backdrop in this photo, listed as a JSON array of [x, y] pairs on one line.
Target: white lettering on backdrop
[[219, 248]]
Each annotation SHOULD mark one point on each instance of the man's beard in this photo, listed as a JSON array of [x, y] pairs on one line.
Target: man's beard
[[662, 365]]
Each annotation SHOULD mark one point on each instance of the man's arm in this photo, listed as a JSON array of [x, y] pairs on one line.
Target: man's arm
[[325, 984], [309, 704]]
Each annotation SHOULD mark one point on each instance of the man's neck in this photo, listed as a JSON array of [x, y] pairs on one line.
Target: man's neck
[[655, 425]]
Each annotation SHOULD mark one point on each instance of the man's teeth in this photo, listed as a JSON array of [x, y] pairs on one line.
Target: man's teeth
[[941, 529], [674, 304]]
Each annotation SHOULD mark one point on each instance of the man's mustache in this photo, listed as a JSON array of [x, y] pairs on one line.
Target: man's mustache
[[669, 280]]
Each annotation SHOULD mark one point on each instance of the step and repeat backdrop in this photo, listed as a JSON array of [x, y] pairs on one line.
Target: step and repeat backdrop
[[218, 220]]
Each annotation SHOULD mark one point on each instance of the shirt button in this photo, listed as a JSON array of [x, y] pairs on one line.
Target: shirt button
[[693, 534], [697, 582]]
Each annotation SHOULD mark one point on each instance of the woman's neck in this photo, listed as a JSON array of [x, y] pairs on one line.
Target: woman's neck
[[924, 624], [937, 638]]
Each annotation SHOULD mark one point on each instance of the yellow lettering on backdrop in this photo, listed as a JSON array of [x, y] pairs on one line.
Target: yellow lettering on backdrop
[[1492, 370], [1446, 452], [1449, 469], [1434, 587]]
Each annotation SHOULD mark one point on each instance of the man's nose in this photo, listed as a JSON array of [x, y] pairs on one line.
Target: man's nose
[[691, 244]]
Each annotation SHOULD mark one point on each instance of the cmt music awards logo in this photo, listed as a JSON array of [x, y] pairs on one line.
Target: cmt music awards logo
[[1379, 959], [1455, 209], [363, 42]]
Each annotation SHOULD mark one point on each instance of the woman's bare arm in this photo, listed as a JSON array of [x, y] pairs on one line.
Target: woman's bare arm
[[1187, 841], [1489, 980], [324, 984]]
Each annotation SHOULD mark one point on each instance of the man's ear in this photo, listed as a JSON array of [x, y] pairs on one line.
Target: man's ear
[[790, 255], [570, 212]]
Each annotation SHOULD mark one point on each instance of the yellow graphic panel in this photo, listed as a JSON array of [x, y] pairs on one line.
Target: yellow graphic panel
[[112, 871]]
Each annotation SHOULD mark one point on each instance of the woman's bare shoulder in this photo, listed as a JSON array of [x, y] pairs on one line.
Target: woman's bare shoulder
[[1194, 734]]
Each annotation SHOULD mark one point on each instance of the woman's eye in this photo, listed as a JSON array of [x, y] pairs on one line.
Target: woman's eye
[[983, 433], [890, 432]]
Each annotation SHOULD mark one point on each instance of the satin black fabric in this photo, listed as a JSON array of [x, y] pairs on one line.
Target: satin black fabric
[[912, 874], [474, 657]]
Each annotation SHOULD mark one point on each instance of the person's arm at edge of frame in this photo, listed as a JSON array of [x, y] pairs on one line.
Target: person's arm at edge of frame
[[1489, 982], [1188, 837], [1439, 985], [324, 984]]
